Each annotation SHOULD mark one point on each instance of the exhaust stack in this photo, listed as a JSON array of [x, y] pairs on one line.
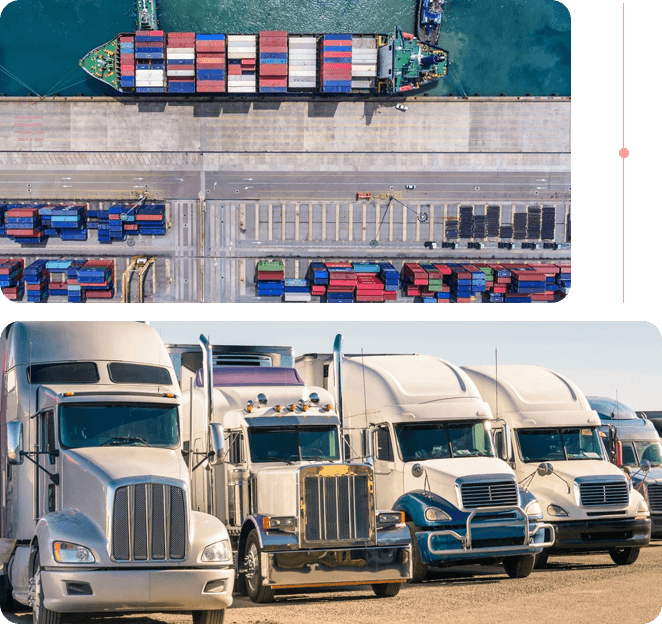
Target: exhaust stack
[[208, 376], [337, 374]]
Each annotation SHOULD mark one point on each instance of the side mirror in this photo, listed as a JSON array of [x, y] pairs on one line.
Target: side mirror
[[645, 465], [505, 443], [417, 470], [14, 442], [545, 469], [217, 438]]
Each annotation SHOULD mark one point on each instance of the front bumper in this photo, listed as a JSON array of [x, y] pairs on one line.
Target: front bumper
[[138, 590], [322, 568], [601, 534], [486, 538], [656, 526]]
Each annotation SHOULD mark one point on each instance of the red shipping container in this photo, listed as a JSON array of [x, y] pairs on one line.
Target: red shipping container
[[212, 66], [338, 265], [443, 300], [148, 217], [184, 35], [463, 299], [208, 87], [390, 295], [444, 269], [369, 299], [318, 290], [273, 33], [234, 70], [126, 39], [127, 70], [331, 54], [413, 290], [22, 212], [274, 70], [500, 289], [264, 82], [270, 276], [99, 294], [29, 233]]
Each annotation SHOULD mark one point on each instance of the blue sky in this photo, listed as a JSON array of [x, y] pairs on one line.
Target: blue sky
[[601, 358]]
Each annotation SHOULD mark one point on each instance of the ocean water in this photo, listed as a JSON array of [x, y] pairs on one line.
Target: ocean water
[[512, 47]]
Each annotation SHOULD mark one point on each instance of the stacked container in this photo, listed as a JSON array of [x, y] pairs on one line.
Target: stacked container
[[3, 211], [24, 225], [210, 63], [318, 277], [241, 63], [273, 61], [11, 279], [336, 64], [75, 293], [364, 63], [391, 278], [58, 276], [127, 62], [297, 290], [150, 66], [342, 282], [181, 63], [36, 280], [303, 63], [69, 222], [97, 279], [270, 278]]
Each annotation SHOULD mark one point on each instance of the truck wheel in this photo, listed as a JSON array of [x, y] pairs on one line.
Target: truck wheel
[[520, 566], [386, 590], [254, 588], [419, 569], [40, 614], [623, 556], [208, 617], [541, 560]]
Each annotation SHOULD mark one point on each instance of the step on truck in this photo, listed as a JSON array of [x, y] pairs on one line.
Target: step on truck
[[96, 503], [299, 515], [550, 436], [633, 444], [424, 426]]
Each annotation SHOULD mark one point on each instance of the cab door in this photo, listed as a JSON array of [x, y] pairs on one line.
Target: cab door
[[388, 481]]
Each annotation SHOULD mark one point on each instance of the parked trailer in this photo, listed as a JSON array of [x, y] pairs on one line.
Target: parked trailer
[[425, 427], [549, 434], [99, 517], [299, 514]]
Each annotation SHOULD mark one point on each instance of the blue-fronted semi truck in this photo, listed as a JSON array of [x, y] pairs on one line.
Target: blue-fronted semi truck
[[427, 431]]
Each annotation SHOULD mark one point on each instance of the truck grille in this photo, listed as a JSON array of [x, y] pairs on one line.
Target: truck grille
[[489, 494], [655, 497], [337, 508], [604, 493], [149, 523]]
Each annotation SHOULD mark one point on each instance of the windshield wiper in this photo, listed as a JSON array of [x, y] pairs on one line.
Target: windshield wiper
[[124, 440], [316, 458], [277, 459]]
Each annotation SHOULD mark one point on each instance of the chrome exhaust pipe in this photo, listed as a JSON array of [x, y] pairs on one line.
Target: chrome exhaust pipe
[[337, 375], [207, 376]]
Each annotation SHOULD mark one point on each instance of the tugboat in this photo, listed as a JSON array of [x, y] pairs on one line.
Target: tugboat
[[428, 24]]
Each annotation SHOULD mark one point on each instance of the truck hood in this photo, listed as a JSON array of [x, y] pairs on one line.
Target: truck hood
[[87, 473], [444, 473]]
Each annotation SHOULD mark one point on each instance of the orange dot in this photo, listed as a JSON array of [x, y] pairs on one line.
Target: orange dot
[[624, 153]]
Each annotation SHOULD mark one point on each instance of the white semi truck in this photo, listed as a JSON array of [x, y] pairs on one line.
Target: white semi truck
[[550, 436], [95, 508], [424, 426], [298, 514]]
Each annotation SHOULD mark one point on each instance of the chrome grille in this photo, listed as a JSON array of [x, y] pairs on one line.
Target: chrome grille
[[489, 494], [337, 508], [149, 520], [654, 497], [604, 493]]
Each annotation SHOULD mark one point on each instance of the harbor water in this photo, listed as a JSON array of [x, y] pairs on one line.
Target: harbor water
[[511, 47]]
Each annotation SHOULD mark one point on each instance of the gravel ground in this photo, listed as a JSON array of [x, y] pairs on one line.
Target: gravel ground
[[581, 588]]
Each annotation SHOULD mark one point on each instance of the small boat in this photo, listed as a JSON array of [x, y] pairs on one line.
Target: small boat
[[428, 23]]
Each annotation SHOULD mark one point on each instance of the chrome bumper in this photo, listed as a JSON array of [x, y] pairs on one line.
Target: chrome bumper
[[466, 539], [356, 566]]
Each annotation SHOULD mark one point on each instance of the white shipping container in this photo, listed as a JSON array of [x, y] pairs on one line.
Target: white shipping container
[[299, 64], [303, 72], [307, 54], [241, 79], [298, 297], [149, 73], [234, 38], [150, 83], [240, 89], [181, 72], [241, 55], [181, 51]]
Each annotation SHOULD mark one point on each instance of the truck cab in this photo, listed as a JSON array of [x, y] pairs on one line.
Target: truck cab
[[551, 439], [96, 505], [425, 428], [634, 446], [298, 513]]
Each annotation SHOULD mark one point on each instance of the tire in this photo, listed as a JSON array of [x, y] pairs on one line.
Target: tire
[[520, 566], [541, 560], [254, 588], [208, 617], [419, 570], [624, 556], [386, 590], [40, 614]]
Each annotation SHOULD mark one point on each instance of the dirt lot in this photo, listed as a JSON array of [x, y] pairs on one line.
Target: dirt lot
[[588, 589]]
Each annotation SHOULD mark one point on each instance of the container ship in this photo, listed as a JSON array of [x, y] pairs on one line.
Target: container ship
[[150, 61]]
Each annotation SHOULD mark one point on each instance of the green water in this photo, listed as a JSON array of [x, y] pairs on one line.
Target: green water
[[514, 47]]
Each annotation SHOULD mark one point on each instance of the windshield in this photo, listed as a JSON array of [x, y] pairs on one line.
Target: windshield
[[644, 449], [435, 440], [293, 444], [559, 444], [93, 424]]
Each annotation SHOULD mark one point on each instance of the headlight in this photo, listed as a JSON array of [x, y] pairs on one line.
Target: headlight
[[533, 509], [65, 552], [220, 551], [391, 517], [432, 514], [283, 523], [555, 510], [643, 507]]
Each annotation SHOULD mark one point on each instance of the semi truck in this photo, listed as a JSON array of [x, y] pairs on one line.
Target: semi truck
[[96, 502], [425, 428], [549, 435], [299, 515], [633, 444]]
